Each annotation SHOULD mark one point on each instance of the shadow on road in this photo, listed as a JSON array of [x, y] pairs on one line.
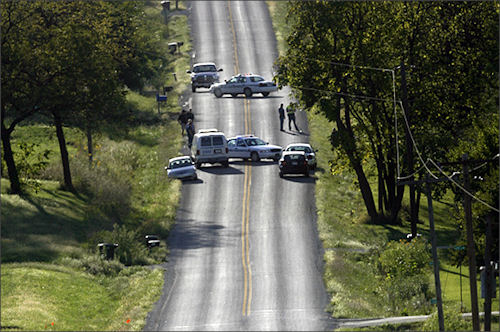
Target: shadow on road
[[299, 178], [220, 170], [253, 163], [195, 234], [197, 181]]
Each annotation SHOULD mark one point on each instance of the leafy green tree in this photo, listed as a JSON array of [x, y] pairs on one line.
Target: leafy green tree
[[71, 60], [340, 59]]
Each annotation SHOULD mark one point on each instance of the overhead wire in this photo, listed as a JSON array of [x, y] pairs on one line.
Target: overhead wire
[[414, 143], [462, 188]]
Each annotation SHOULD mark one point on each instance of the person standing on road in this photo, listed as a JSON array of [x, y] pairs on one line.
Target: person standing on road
[[190, 132], [190, 114], [281, 112], [290, 110], [182, 119]]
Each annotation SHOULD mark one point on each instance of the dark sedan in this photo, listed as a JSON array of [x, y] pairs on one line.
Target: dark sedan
[[293, 162]]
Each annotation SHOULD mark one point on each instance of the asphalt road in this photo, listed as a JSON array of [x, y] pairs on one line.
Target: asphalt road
[[244, 254]]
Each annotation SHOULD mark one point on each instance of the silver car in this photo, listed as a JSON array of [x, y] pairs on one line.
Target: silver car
[[247, 84], [308, 150], [251, 147], [181, 168], [203, 74]]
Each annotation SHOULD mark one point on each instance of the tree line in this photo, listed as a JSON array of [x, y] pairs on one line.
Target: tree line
[[431, 67], [71, 63]]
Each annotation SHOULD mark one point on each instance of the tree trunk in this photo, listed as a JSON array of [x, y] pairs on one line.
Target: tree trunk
[[90, 148], [68, 185], [8, 156], [350, 148]]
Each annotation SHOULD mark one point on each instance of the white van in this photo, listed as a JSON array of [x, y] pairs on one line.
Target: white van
[[210, 146]]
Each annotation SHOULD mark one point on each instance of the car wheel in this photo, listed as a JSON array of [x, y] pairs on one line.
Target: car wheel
[[193, 88], [195, 177], [254, 156], [265, 94], [281, 175], [218, 93], [234, 94], [276, 159], [247, 92], [225, 163]]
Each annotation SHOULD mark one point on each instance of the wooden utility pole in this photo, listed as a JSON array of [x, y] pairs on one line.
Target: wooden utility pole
[[435, 261], [471, 253], [488, 275], [409, 151]]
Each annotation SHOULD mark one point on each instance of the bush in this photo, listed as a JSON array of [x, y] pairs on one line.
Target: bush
[[405, 258], [453, 320], [95, 265], [131, 247], [404, 267]]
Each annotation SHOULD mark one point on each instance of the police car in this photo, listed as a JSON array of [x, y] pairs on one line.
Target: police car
[[246, 84], [252, 147]]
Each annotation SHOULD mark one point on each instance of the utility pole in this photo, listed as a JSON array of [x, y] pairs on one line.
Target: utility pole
[[488, 275], [409, 151], [435, 261], [471, 254]]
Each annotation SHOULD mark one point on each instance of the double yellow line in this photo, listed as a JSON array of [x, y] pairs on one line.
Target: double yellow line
[[245, 246]]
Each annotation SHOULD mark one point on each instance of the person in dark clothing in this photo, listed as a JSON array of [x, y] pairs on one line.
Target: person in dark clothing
[[190, 115], [281, 112], [182, 119], [190, 132], [290, 110]]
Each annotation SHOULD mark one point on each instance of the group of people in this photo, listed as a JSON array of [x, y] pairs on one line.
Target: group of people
[[290, 112], [186, 120]]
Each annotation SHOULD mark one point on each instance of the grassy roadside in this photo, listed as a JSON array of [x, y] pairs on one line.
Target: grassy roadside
[[47, 236], [350, 274]]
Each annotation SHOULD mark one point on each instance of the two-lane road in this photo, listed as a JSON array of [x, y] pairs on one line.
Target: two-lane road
[[244, 254]]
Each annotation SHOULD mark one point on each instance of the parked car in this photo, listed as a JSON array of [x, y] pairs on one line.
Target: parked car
[[308, 150], [247, 84], [209, 146], [203, 74], [293, 162], [181, 168], [251, 147]]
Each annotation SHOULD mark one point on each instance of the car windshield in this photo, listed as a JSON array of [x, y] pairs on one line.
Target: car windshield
[[180, 163], [204, 68], [255, 141], [306, 149]]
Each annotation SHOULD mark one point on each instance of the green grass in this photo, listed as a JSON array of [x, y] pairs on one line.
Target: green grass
[[35, 296]]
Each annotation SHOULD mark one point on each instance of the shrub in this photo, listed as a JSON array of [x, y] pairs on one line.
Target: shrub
[[95, 265], [405, 258], [404, 267], [453, 320]]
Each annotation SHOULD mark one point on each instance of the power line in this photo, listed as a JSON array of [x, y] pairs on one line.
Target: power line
[[462, 188], [415, 144]]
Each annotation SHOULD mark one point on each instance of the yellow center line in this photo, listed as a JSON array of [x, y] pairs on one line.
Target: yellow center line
[[249, 268], [235, 47], [245, 214], [243, 253]]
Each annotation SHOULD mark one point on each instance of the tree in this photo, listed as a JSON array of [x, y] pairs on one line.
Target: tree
[[338, 52]]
